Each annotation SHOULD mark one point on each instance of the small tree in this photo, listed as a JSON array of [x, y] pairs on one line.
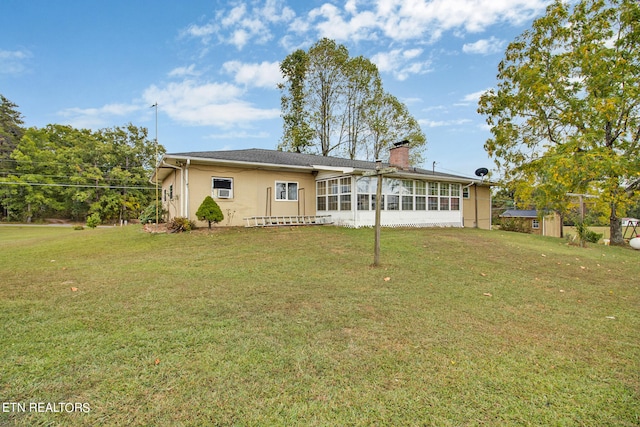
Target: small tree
[[209, 211]]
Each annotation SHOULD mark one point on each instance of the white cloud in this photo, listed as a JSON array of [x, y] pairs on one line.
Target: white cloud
[[243, 24], [265, 74], [238, 135], [473, 97], [441, 123], [400, 63], [485, 46], [94, 118], [424, 20], [200, 31], [13, 61], [184, 71], [206, 104]]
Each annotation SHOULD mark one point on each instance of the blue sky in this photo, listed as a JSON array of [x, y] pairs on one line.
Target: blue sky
[[212, 66]]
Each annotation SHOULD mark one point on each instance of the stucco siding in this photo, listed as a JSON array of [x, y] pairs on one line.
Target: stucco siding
[[479, 201], [253, 193]]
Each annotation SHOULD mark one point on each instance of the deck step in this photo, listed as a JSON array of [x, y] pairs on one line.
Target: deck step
[[286, 220]]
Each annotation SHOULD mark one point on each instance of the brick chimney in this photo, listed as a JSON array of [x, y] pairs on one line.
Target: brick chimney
[[399, 155]]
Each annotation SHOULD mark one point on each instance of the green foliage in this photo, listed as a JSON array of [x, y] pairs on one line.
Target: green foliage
[[179, 225], [520, 225], [565, 116], [151, 212], [11, 131], [333, 104], [64, 172], [209, 211], [586, 235], [93, 220]]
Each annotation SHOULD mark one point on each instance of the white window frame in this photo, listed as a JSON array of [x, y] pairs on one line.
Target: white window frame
[[535, 224], [287, 184], [214, 189]]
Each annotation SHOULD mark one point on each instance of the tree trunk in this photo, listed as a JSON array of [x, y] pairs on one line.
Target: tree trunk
[[615, 228]]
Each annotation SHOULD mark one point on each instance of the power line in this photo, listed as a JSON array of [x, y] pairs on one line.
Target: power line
[[105, 187]]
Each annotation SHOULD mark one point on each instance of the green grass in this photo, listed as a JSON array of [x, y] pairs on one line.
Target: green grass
[[293, 326]]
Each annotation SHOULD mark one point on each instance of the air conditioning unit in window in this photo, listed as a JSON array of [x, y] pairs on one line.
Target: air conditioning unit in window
[[224, 193]]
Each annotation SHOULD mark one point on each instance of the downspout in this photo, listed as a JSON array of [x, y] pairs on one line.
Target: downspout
[[186, 189], [475, 195], [165, 164]]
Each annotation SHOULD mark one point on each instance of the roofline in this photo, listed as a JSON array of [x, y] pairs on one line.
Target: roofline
[[311, 168], [236, 162]]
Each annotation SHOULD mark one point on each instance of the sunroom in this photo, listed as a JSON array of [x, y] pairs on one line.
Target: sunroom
[[405, 201]]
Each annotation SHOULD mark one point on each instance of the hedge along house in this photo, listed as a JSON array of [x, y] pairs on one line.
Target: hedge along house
[[263, 187]]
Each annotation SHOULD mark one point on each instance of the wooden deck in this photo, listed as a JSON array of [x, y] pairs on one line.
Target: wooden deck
[[285, 220]]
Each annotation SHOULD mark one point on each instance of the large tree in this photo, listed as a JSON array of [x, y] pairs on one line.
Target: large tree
[[565, 116], [11, 131], [60, 171], [328, 101]]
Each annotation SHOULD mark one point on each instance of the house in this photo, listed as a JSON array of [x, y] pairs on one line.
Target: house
[[544, 225], [262, 187]]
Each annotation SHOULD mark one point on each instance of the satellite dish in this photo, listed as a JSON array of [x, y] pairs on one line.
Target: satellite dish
[[482, 172]]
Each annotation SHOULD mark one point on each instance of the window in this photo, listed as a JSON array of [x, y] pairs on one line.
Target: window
[[363, 202], [286, 191], [321, 195], [421, 203], [407, 203], [393, 202], [444, 203], [222, 188], [465, 192], [444, 189], [171, 192], [433, 203], [334, 194], [535, 224]]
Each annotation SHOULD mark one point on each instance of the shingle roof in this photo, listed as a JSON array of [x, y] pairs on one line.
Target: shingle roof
[[520, 213], [259, 155]]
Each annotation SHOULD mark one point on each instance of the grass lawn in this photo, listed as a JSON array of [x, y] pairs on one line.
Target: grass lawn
[[292, 326]]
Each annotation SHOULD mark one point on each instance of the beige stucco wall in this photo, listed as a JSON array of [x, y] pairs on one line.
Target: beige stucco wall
[[482, 196], [251, 187], [253, 193]]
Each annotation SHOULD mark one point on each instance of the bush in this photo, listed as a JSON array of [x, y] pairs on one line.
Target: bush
[[93, 220], [515, 224], [149, 213], [179, 225], [209, 211], [586, 235]]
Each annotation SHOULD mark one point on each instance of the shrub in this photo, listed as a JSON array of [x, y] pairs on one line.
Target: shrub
[[209, 211], [180, 224], [93, 220], [515, 224], [586, 235], [149, 213]]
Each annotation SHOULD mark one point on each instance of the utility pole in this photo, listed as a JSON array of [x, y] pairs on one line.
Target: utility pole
[[156, 165], [379, 172]]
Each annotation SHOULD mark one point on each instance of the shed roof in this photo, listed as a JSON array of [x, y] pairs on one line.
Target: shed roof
[[515, 213]]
